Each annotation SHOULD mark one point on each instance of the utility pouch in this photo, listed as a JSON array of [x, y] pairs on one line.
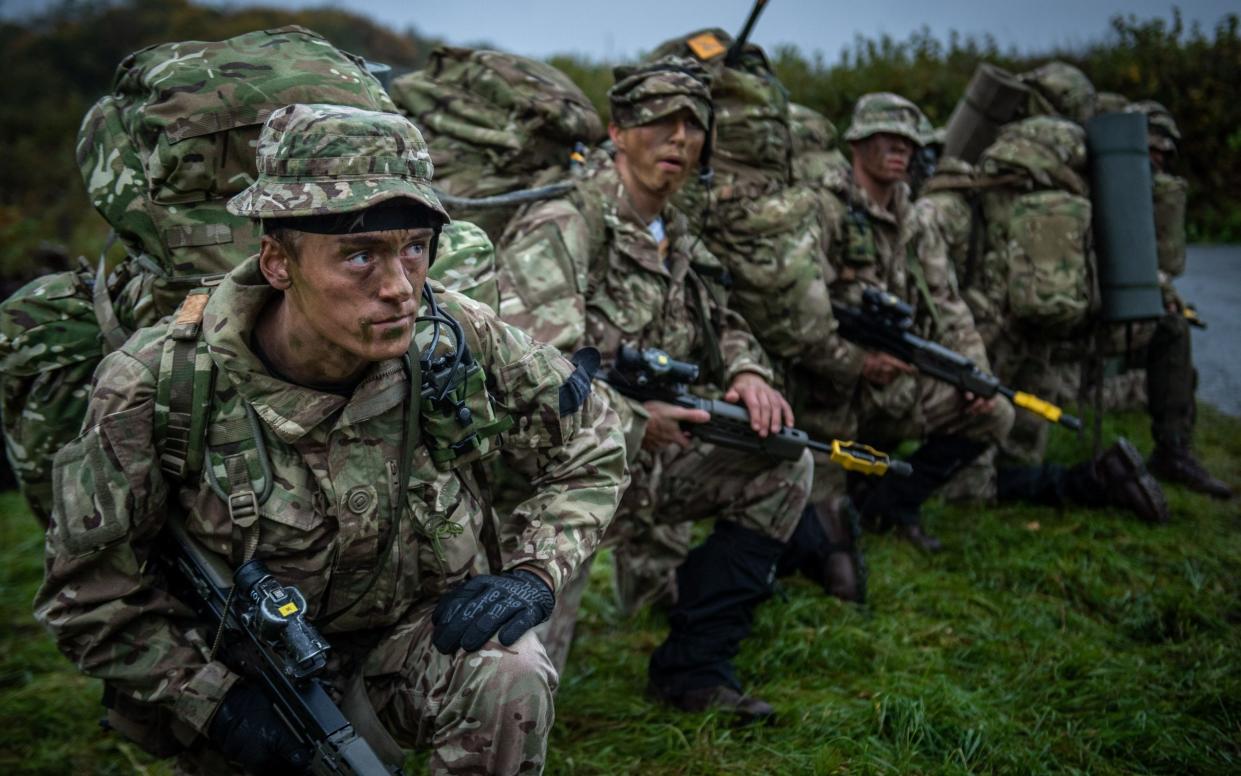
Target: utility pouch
[[460, 425], [860, 248]]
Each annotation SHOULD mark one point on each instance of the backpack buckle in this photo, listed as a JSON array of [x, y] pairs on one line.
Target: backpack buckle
[[243, 508]]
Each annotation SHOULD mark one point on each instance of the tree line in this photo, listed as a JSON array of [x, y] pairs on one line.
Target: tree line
[[56, 64]]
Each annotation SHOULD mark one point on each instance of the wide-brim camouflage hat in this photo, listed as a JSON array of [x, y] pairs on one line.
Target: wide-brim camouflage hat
[[316, 160], [659, 89], [886, 113]]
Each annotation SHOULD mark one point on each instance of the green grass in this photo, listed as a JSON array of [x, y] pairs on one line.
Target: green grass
[[1039, 642]]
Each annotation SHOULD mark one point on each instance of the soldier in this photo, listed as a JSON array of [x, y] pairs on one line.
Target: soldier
[[1060, 89], [612, 264], [873, 234], [1171, 378], [962, 227], [310, 340]]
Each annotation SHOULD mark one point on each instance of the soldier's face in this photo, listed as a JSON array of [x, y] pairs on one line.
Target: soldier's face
[[662, 154], [356, 295], [884, 157]]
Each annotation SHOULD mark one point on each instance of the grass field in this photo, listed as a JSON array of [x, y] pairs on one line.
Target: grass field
[[1039, 642]]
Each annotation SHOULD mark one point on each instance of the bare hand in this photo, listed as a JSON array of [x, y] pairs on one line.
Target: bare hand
[[664, 426], [976, 405], [881, 368], [768, 409]]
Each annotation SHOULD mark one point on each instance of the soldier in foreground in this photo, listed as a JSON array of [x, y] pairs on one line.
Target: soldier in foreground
[[613, 264], [315, 347]]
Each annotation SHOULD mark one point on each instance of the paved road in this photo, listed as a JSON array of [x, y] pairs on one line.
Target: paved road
[[1212, 282]]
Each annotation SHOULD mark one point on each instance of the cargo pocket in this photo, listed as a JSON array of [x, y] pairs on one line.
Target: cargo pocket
[[98, 482], [530, 391]]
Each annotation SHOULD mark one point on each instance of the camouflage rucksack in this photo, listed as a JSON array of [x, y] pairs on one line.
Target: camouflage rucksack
[[753, 147], [1039, 226], [175, 139], [1171, 194], [494, 123], [817, 162], [160, 155]]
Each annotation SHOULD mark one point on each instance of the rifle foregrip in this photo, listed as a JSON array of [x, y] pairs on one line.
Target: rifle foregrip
[[1045, 410], [864, 459]]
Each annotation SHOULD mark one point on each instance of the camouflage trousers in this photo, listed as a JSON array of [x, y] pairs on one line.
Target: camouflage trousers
[[488, 711], [916, 406], [673, 489]]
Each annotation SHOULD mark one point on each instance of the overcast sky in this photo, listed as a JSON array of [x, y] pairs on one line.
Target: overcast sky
[[616, 30]]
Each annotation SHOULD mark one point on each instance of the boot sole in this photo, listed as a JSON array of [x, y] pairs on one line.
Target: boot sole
[[1145, 481]]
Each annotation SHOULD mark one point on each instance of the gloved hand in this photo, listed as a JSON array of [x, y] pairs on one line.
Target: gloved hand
[[475, 610], [246, 729]]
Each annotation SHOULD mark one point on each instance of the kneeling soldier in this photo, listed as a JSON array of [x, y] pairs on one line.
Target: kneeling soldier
[[322, 456], [611, 263]]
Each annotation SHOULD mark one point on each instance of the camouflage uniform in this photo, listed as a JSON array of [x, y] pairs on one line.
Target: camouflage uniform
[[898, 249], [585, 269], [322, 525], [159, 156]]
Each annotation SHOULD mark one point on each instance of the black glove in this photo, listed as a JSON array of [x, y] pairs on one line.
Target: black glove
[[247, 730], [475, 610]]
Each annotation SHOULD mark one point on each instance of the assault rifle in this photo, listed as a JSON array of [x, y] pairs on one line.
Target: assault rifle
[[883, 323], [268, 639], [733, 57], [653, 375]]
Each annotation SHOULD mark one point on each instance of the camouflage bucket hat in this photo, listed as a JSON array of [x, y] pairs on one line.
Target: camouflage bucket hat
[[889, 113], [663, 87], [1163, 132], [316, 160]]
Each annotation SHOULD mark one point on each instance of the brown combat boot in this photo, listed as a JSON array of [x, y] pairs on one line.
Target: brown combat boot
[[1128, 483], [746, 710], [1180, 465]]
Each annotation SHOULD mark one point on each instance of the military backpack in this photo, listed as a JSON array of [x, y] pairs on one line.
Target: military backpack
[[495, 123]]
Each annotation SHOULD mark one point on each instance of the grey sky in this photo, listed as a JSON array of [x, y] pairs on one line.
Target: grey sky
[[619, 29]]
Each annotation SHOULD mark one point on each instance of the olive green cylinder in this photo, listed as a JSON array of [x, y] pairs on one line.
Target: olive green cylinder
[[1124, 217], [993, 98]]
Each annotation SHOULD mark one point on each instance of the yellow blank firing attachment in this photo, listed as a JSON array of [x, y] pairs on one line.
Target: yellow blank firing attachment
[[1046, 410], [864, 459]]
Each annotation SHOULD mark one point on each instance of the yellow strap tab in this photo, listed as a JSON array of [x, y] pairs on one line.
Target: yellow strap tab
[[288, 609], [857, 457], [706, 46], [1038, 406]]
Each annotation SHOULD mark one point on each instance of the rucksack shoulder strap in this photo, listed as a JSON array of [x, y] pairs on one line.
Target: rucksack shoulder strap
[[184, 387]]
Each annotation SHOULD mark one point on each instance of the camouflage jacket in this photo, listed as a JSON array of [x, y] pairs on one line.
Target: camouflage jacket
[[900, 250], [334, 463], [585, 270]]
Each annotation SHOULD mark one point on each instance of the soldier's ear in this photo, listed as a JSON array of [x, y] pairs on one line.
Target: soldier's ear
[[274, 261], [618, 136]]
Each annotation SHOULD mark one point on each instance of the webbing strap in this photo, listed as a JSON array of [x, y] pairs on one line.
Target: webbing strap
[[114, 334], [698, 295], [919, 276], [975, 247], [183, 392]]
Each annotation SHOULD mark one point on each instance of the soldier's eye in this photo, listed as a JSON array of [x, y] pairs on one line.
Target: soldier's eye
[[359, 259], [414, 250]]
